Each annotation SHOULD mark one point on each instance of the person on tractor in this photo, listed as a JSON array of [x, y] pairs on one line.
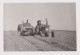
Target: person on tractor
[[40, 28]]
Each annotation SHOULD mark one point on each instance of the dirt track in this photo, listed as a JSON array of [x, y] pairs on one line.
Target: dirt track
[[14, 42]]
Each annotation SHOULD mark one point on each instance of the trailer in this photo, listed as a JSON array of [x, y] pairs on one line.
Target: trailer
[[25, 29]]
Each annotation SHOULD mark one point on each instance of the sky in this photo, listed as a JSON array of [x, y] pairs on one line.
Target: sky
[[61, 16]]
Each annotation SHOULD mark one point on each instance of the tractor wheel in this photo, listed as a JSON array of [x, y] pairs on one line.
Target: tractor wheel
[[46, 34], [32, 34], [52, 34], [22, 33]]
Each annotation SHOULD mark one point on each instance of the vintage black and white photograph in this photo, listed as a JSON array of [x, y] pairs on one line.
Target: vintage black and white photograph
[[40, 27]]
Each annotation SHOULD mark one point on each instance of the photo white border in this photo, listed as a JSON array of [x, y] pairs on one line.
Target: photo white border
[[39, 52], [33, 1]]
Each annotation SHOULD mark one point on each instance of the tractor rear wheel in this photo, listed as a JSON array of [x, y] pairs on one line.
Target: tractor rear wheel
[[52, 34]]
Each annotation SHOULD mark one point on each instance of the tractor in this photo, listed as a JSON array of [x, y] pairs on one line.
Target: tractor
[[43, 29]]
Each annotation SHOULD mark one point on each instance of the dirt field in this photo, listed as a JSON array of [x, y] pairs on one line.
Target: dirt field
[[62, 41]]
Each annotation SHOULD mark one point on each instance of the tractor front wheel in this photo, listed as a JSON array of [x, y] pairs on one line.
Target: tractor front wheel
[[46, 34]]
